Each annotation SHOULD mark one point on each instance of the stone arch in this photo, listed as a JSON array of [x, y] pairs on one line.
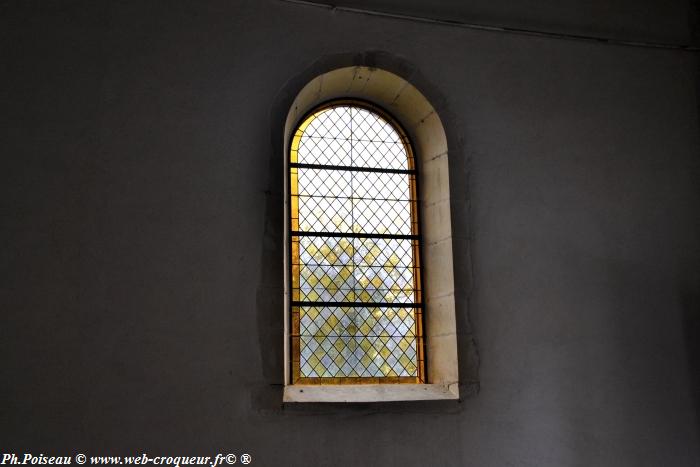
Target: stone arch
[[415, 113]]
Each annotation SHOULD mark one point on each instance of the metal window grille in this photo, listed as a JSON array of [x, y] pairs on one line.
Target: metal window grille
[[356, 302]]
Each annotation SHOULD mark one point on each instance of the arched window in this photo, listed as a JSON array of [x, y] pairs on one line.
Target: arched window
[[369, 284], [356, 305]]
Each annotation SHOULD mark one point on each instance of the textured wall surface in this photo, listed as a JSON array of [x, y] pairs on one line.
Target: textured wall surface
[[141, 273], [646, 20]]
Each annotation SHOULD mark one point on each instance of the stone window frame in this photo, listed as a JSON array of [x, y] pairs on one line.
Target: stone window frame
[[420, 120]]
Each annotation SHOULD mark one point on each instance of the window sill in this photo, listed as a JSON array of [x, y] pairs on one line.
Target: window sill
[[370, 392]]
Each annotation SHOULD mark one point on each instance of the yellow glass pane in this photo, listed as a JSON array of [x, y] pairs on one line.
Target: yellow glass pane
[[340, 344]]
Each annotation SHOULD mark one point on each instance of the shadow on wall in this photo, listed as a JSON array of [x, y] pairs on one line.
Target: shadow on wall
[[690, 295], [267, 396], [690, 301]]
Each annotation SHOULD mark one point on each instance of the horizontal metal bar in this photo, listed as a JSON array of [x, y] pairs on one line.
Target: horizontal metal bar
[[356, 266], [356, 198], [350, 168], [359, 336], [296, 233], [353, 139], [359, 304]]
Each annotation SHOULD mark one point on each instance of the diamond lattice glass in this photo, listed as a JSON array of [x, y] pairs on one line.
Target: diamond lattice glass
[[356, 306]]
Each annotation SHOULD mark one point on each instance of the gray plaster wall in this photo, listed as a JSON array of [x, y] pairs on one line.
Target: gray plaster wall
[[141, 233], [669, 21]]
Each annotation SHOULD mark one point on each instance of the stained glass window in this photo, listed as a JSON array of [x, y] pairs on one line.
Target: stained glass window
[[356, 307]]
